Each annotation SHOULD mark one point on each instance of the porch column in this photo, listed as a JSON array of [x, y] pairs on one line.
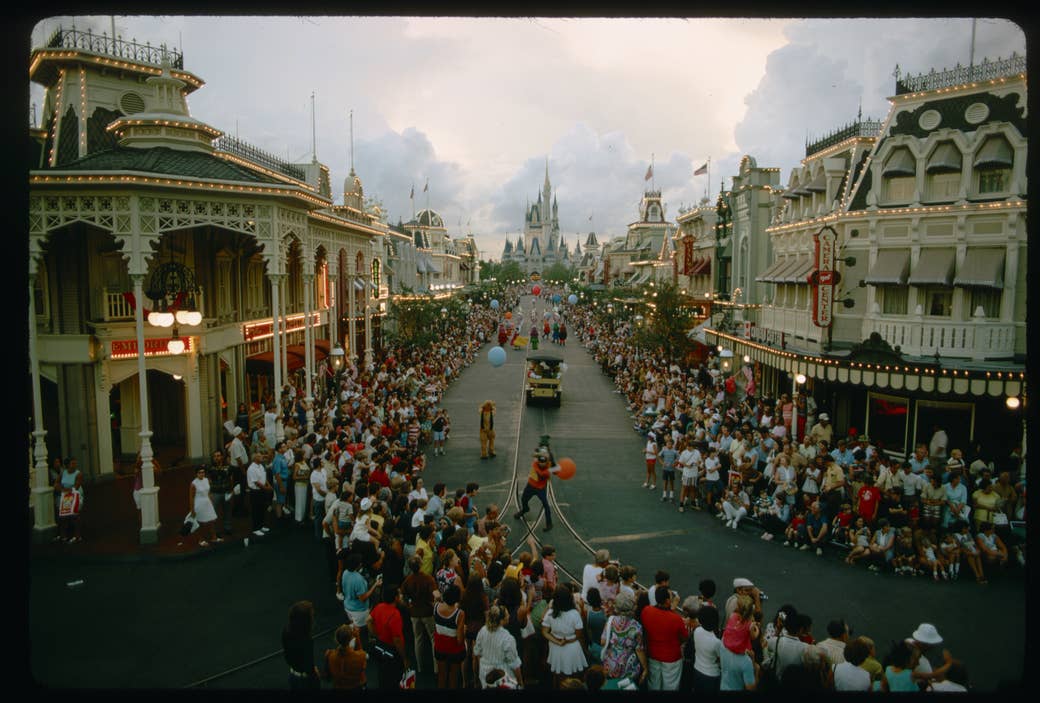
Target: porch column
[[333, 305], [275, 280], [149, 491], [103, 409], [193, 403], [351, 313], [368, 321], [308, 343], [44, 527], [283, 326]]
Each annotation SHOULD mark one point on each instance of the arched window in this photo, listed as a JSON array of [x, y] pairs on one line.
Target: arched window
[[943, 172]]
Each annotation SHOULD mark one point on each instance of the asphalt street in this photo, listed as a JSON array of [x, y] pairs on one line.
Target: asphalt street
[[215, 620]]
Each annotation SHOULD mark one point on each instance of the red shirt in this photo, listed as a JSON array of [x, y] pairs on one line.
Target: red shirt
[[387, 622], [797, 522], [665, 633], [869, 498], [844, 518], [539, 476], [379, 476]]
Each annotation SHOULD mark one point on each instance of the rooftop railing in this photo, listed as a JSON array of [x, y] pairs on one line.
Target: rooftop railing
[[233, 145], [859, 128], [959, 75], [115, 46]]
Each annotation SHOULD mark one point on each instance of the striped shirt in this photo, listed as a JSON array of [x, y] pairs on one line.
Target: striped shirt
[[446, 632]]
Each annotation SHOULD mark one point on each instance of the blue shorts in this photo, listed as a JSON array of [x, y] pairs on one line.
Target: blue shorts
[[438, 436]]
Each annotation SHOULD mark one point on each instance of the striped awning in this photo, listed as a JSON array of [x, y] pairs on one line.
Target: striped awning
[[818, 184], [890, 269], [798, 272], [767, 276], [982, 268], [900, 163], [934, 268], [359, 283], [995, 153], [778, 274], [945, 159]]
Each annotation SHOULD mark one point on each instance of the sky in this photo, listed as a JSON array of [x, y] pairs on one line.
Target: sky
[[474, 107]]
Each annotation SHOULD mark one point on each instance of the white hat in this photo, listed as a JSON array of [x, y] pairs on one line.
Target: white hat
[[366, 504], [825, 416], [927, 634], [236, 431], [742, 583], [230, 427]]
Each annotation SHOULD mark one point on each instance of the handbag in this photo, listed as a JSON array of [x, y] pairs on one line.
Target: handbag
[[999, 519], [189, 526], [70, 504]]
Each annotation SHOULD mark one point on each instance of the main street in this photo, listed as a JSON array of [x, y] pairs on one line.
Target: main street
[[176, 622]]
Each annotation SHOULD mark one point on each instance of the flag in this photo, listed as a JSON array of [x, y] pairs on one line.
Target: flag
[[649, 173], [590, 218], [702, 170], [411, 196], [426, 187]]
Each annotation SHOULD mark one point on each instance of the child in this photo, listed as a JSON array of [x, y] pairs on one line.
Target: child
[[840, 524], [741, 627], [969, 551], [929, 559], [860, 541], [795, 528], [712, 484], [951, 555], [549, 565], [905, 559]]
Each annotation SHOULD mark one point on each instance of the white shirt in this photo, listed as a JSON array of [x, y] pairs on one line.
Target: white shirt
[[590, 579], [418, 495], [706, 646], [711, 469], [238, 454], [319, 481], [849, 677], [256, 476], [269, 425]]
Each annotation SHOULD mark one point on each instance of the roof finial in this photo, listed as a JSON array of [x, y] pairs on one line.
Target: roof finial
[[352, 141]]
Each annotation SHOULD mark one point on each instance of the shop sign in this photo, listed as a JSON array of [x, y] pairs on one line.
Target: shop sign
[[824, 277], [153, 346], [772, 338]]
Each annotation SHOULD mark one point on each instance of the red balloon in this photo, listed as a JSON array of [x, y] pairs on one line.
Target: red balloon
[[509, 316], [567, 469], [537, 290]]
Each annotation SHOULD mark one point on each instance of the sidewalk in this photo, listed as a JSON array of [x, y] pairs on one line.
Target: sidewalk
[[111, 523]]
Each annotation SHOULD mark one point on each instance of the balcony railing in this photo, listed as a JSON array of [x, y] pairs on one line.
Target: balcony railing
[[115, 307], [115, 46], [959, 75], [976, 340]]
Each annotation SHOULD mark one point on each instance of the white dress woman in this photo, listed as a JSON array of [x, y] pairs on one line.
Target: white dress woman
[[567, 658], [203, 506]]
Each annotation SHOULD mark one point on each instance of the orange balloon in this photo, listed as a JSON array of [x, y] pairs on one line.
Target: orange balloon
[[567, 469], [509, 316]]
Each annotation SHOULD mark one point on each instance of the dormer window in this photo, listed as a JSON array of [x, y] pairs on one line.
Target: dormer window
[[899, 175], [944, 172], [993, 163]]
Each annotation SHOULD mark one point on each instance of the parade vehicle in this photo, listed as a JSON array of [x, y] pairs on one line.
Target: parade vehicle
[[544, 382]]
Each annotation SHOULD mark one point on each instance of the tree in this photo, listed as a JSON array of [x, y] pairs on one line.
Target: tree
[[665, 321], [558, 273]]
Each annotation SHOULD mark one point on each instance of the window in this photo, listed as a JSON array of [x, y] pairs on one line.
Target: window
[[893, 300], [254, 285], [986, 298], [899, 189], [944, 186], [887, 417], [994, 180], [957, 420], [223, 286], [41, 299], [938, 302]]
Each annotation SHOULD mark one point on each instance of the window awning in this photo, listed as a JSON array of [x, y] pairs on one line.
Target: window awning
[[359, 284], [798, 272], [934, 268], [432, 265], [982, 268], [785, 265], [767, 276], [900, 163], [790, 194], [818, 184], [995, 153], [704, 268], [890, 269], [945, 159]]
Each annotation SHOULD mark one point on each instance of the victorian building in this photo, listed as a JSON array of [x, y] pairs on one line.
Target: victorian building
[[174, 272], [897, 285]]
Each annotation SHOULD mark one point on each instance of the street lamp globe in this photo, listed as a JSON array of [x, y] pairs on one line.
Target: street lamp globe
[[1013, 402], [175, 346], [726, 356], [337, 354], [800, 378]]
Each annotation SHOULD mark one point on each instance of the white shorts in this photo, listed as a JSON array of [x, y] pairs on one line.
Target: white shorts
[[358, 617], [689, 480]]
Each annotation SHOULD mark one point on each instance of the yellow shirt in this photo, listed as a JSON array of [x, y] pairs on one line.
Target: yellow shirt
[[425, 552]]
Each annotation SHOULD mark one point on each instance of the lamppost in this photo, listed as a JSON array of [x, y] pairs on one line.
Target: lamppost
[[797, 380], [1015, 403], [172, 289], [726, 360], [444, 319], [337, 354]]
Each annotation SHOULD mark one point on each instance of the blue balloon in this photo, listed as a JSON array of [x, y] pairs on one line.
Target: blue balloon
[[556, 297], [494, 305], [497, 356], [572, 299]]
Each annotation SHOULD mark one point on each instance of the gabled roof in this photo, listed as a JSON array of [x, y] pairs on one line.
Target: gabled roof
[[168, 162]]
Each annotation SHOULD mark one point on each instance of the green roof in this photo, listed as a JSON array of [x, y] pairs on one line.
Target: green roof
[[168, 162]]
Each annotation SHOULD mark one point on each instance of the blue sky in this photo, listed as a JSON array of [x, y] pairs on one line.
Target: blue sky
[[476, 105]]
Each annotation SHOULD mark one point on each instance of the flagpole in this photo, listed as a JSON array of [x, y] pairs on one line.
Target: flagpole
[[708, 184]]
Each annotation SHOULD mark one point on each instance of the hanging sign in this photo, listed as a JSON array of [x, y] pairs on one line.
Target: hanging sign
[[824, 278]]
